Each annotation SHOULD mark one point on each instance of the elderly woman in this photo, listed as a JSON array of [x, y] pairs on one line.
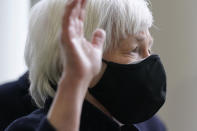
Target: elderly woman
[[85, 82]]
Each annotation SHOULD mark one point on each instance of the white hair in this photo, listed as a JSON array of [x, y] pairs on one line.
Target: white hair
[[118, 18]]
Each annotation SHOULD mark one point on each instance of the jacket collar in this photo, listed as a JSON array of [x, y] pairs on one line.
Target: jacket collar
[[92, 116]]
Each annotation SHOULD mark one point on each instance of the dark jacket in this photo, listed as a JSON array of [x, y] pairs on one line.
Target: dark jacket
[[17, 103]]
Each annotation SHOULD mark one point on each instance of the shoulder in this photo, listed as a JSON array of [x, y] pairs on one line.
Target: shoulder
[[15, 100], [27, 123], [16, 88]]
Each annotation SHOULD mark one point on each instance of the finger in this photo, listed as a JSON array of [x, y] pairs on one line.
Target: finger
[[67, 13], [67, 18], [98, 38], [82, 12], [83, 3], [71, 10], [76, 10], [82, 15], [80, 28], [70, 6]]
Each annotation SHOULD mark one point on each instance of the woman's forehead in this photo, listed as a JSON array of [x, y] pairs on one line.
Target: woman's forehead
[[133, 40]]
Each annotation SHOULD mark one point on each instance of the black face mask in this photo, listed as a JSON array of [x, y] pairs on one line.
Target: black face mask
[[132, 93]]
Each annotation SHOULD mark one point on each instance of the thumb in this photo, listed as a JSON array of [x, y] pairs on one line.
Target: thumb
[[98, 38]]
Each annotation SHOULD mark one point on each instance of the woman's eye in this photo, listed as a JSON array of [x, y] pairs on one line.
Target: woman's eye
[[140, 39], [135, 50]]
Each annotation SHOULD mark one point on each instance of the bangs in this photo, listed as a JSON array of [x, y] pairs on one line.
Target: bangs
[[121, 18]]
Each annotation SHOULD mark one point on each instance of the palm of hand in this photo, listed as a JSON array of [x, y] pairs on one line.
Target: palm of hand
[[82, 59]]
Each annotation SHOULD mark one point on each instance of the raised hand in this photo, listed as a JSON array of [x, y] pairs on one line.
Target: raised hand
[[82, 59]]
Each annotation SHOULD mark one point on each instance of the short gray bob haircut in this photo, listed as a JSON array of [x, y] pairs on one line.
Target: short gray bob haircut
[[119, 18]]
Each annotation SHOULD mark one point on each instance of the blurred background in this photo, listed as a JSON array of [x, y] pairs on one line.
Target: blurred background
[[175, 41]]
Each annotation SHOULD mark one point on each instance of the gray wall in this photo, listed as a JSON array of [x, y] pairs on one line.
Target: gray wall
[[176, 42], [13, 30], [33, 2]]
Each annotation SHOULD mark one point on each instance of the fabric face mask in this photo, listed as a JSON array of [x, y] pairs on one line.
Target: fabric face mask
[[132, 93]]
